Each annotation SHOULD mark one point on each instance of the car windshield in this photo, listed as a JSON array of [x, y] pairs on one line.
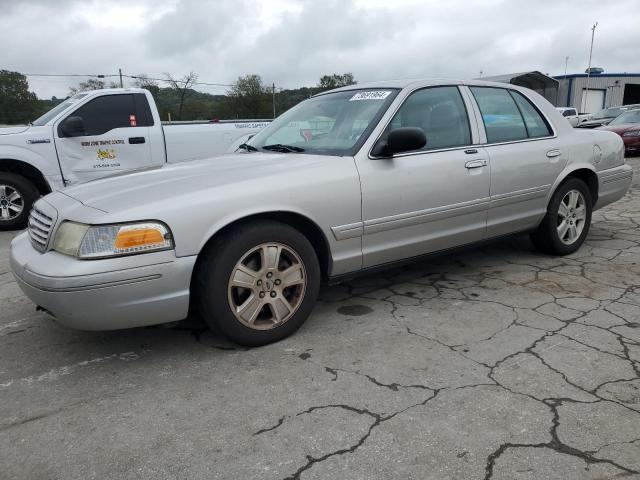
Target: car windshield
[[330, 124], [608, 113], [51, 114], [631, 116]]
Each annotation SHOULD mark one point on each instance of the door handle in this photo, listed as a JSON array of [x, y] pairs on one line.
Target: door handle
[[475, 164], [134, 140], [470, 151], [553, 153]]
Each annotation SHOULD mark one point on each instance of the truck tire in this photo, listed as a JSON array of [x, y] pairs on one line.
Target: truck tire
[[258, 283], [17, 195], [566, 224]]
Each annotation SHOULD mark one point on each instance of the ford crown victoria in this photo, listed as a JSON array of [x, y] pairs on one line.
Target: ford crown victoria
[[347, 181]]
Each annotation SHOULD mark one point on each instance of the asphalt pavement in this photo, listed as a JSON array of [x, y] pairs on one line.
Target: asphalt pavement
[[495, 362]]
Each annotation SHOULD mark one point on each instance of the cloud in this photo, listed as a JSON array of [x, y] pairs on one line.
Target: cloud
[[294, 42]]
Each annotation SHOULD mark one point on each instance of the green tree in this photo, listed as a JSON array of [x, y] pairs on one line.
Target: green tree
[[250, 98], [17, 103], [142, 80], [327, 82], [183, 86], [90, 84]]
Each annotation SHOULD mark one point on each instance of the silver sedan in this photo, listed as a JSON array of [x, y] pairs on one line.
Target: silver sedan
[[348, 181]]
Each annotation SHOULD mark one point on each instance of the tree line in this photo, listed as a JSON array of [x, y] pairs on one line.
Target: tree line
[[248, 97]]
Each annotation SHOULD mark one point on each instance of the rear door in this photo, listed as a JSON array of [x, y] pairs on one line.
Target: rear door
[[116, 138], [525, 156]]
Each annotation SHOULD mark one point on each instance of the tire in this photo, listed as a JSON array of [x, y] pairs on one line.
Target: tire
[[17, 195], [242, 295], [566, 225]]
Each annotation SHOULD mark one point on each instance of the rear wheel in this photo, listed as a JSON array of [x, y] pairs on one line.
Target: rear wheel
[[566, 224], [258, 283], [17, 195]]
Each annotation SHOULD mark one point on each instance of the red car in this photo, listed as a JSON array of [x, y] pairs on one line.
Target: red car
[[627, 125]]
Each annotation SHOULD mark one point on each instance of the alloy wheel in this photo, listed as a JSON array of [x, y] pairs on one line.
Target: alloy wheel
[[11, 203], [572, 216], [266, 286]]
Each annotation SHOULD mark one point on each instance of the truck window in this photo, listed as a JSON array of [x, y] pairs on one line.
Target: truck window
[[106, 113], [143, 111]]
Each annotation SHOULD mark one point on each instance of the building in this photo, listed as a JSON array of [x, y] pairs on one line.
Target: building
[[537, 81], [605, 90]]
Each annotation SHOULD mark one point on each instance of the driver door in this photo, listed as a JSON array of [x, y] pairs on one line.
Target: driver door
[[115, 139]]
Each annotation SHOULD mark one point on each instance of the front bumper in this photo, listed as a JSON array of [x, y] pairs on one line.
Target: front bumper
[[631, 144], [104, 294]]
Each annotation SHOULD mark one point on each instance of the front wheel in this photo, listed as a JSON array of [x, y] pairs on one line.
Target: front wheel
[[258, 283], [566, 224], [17, 195]]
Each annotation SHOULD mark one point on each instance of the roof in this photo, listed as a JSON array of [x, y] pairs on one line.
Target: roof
[[413, 82], [596, 75]]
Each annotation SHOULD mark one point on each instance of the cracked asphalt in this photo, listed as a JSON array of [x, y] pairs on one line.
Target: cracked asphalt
[[492, 363]]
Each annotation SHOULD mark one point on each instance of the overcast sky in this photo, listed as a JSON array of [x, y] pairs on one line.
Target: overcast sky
[[294, 42]]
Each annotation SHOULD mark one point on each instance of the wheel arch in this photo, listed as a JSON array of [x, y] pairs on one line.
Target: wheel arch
[[26, 170], [586, 173], [300, 222]]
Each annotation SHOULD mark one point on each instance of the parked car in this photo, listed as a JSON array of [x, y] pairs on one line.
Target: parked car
[[99, 133], [627, 125], [604, 116], [572, 116], [348, 181]]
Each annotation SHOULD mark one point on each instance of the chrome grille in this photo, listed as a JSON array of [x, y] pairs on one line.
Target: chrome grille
[[40, 226]]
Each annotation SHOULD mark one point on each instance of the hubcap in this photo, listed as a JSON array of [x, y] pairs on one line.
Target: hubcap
[[11, 203], [267, 286], [572, 216]]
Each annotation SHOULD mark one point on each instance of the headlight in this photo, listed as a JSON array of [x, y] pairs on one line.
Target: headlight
[[632, 133], [100, 241]]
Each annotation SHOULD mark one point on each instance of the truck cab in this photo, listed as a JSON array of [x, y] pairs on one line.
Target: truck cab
[[96, 134]]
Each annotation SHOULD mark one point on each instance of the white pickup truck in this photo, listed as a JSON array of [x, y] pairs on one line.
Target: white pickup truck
[[572, 115], [100, 133]]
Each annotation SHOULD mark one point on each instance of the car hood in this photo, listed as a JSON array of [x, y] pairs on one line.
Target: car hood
[[168, 184], [13, 130], [621, 128]]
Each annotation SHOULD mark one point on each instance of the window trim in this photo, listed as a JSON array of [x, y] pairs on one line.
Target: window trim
[[554, 133], [435, 150]]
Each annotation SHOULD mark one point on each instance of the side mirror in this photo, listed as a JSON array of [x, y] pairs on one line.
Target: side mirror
[[72, 127], [400, 140]]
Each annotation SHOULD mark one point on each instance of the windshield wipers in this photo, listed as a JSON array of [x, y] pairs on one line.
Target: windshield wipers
[[247, 147], [279, 147]]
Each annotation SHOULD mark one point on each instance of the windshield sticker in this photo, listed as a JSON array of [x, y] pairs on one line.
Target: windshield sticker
[[371, 95]]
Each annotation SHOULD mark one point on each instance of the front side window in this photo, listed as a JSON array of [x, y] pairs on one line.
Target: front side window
[[440, 113], [106, 113], [330, 124]]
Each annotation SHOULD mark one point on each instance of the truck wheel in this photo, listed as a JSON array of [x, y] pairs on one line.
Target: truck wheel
[[258, 283], [566, 224], [17, 195]]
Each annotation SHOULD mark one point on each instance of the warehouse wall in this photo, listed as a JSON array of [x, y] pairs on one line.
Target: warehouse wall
[[614, 92]]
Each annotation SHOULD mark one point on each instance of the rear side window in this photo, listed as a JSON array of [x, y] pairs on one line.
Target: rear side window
[[508, 115], [440, 113], [500, 114], [536, 125], [143, 111], [105, 113]]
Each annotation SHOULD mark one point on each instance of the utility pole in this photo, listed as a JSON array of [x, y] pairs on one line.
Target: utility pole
[[566, 62], [273, 92], [120, 72], [586, 94]]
